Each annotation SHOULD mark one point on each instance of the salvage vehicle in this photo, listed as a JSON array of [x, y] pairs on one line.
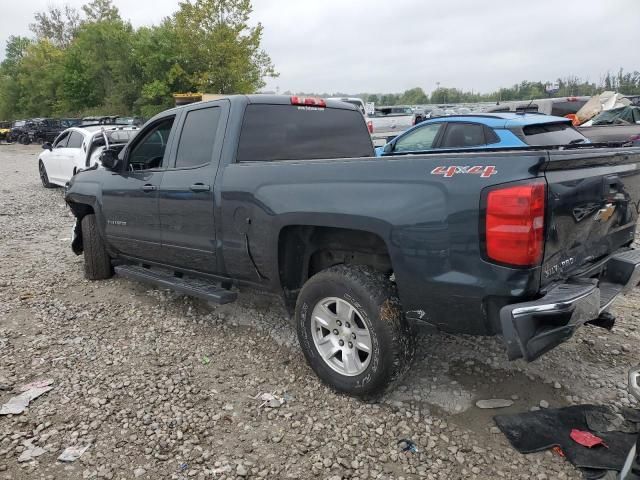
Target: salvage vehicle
[[5, 129], [42, 130], [481, 131], [17, 132], [358, 102], [77, 148], [387, 122], [558, 107], [617, 125], [284, 194]]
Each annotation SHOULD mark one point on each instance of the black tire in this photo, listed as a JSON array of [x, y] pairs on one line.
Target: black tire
[[44, 178], [375, 301], [97, 264]]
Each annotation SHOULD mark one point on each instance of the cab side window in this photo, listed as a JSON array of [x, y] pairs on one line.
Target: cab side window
[[198, 136], [148, 153]]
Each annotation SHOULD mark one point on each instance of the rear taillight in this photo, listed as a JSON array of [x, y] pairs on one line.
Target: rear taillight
[[514, 224], [308, 101], [635, 139], [370, 126]]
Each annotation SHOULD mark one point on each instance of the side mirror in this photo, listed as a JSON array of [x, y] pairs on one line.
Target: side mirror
[[109, 159], [388, 148], [47, 146]]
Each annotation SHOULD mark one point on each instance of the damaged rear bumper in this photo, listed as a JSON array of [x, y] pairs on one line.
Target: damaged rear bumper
[[532, 328]]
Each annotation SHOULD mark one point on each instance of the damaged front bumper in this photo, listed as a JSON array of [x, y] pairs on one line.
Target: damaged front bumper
[[532, 328]]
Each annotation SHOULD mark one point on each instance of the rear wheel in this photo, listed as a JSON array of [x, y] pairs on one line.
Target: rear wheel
[[97, 264], [44, 178], [351, 330]]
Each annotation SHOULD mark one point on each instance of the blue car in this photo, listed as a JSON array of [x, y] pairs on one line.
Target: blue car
[[487, 130]]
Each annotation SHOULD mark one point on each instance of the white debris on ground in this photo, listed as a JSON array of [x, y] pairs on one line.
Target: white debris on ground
[[71, 454], [18, 404], [131, 379]]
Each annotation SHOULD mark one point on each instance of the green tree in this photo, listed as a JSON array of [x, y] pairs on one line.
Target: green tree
[[39, 79], [221, 51], [58, 25], [100, 11], [15, 50], [95, 76], [414, 96]]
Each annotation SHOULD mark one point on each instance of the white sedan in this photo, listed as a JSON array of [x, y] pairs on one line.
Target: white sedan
[[77, 148]]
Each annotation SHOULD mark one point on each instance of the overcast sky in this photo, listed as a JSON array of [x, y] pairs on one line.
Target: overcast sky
[[389, 46]]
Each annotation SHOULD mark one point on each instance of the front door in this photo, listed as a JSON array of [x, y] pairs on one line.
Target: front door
[[55, 159], [187, 196], [130, 195]]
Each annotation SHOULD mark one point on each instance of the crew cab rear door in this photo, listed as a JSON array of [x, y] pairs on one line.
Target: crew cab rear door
[[593, 200], [187, 196]]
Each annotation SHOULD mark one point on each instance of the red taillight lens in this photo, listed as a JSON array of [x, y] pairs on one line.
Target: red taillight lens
[[308, 101], [515, 224], [370, 126]]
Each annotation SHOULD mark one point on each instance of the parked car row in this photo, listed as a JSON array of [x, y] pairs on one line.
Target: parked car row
[[42, 130], [78, 148]]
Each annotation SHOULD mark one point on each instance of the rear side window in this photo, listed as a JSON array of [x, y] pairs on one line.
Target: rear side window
[[552, 134], [197, 138], [461, 135], [75, 140], [286, 132]]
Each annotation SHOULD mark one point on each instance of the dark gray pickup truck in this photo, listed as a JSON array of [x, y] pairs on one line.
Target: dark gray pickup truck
[[284, 193]]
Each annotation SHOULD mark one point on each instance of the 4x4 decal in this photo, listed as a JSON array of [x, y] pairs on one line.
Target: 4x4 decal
[[483, 171]]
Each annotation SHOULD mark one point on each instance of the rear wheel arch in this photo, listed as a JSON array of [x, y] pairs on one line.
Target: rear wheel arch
[[304, 250]]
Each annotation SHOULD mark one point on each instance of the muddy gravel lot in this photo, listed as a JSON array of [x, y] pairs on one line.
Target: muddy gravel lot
[[159, 385]]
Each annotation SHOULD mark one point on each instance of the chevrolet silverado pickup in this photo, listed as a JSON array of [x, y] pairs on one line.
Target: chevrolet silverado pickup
[[285, 194]]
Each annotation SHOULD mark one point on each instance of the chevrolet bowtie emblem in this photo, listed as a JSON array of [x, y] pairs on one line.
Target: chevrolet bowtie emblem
[[605, 213]]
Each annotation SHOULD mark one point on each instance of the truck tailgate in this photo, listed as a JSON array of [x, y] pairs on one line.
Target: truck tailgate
[[593, 201]]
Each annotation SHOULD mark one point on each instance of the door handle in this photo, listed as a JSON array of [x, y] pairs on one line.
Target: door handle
[[199, 187], [149, 188]]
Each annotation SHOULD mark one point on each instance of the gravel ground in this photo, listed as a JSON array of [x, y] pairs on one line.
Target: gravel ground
[[163, 386]]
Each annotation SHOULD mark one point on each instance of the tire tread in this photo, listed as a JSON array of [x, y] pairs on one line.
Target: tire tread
[[97, 264], [382, 292]]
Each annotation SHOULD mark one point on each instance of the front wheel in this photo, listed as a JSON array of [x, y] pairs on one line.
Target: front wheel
[[351, 330], [44, 178], [97, 264]]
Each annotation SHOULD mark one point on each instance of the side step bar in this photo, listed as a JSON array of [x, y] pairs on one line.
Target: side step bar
[[188, 286]]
